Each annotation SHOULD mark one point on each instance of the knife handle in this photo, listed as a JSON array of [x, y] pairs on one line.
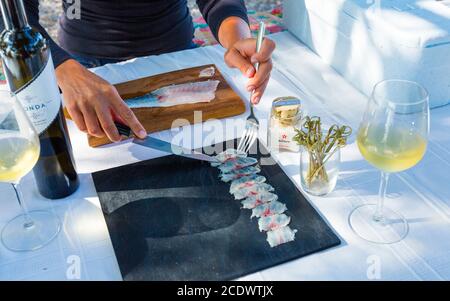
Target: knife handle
[[123, 129]]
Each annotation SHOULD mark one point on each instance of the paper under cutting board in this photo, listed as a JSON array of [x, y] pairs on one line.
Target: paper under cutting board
[[226, 104]]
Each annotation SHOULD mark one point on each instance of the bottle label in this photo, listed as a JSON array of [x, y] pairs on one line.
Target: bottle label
[[40, 98]]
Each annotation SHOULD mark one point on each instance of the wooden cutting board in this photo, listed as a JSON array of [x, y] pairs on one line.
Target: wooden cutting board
[[226, 104]]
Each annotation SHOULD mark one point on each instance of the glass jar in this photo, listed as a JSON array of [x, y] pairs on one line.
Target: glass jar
[[285, 116], [319, 175]]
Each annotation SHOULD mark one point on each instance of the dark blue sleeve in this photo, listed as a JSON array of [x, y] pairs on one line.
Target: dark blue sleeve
[[215, 11], [32, 9]]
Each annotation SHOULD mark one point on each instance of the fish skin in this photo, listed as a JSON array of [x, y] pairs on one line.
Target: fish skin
[[268, 209], [252, 191], [247, 181], [257, 200], [237, 163], [273, 222], [237, 174], [147, 100], [228, 154]]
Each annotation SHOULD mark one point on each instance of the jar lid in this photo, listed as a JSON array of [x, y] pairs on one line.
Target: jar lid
[[286, 101], [287, 109]]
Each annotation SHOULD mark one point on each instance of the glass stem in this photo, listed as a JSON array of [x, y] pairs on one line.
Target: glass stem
[[28, 222], [378, 216]]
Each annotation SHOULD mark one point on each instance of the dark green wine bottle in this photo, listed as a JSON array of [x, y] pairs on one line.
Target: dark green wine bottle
[[30, 73]]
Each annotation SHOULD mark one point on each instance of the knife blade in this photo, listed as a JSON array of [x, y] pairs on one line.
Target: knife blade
[[167, 147]]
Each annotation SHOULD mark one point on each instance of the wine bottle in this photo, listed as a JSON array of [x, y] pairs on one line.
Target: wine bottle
[[29, 71]]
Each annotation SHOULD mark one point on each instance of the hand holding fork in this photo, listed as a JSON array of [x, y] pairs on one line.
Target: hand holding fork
[[252, 123]]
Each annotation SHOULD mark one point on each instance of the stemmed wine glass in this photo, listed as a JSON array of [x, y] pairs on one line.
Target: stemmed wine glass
[[19, 152], [392, 137]]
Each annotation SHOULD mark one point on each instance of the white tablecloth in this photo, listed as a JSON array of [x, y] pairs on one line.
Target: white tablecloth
[[83, 250]]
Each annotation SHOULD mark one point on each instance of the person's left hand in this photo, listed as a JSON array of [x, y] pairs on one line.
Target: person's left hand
[[242, 55]]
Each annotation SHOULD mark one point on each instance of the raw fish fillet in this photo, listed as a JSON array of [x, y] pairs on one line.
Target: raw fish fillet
[[254, 201], [269, 209], [280, 236], [247, 181], [237, 163], [273, 222], [253, 191], [207, 72], [173, 95], [237, 174]]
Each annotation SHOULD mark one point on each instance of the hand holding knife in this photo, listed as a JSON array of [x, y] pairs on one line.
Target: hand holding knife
[[164, 146]]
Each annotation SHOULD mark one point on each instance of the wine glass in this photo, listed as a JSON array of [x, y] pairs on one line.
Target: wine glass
[[19, 152], [392, 137]]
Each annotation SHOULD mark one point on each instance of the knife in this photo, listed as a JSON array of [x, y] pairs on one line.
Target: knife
[[167, 147]]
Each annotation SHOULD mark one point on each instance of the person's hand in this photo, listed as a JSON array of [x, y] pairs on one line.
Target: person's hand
[[242, 55], [93, 103]]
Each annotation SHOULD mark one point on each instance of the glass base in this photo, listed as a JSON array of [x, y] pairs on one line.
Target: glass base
[[390, 229], [17, 235]]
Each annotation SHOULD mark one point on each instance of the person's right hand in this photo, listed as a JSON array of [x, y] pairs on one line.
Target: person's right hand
[[92, 102]]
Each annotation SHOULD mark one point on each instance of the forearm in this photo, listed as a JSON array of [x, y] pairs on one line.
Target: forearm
[[225, 17], [65, 70], [231, 30]]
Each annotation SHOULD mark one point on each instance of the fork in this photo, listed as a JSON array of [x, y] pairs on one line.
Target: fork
[[252, 123]]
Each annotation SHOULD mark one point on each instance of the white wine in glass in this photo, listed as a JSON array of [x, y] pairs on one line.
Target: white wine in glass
[[17, 157], [398, 151], [392, 137], [19, 152]]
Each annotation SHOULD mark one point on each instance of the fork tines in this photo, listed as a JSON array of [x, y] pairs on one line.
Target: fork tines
[[249, 137]]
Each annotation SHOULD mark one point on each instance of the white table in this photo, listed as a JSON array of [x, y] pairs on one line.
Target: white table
[[83, 249]]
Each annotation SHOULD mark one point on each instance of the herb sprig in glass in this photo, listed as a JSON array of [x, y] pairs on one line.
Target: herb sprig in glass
[[320, 144]]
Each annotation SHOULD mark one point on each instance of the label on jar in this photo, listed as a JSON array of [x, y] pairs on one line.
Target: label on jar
[[40, 98], [284, 137]]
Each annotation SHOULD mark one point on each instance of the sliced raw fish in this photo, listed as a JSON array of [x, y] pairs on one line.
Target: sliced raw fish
[[269, 209], [237, 174], [237, 163], [273, 222], [228, 155], [207, 72], [254, 201], [247, 181], [254, 190], [280, 236], [203, 91]]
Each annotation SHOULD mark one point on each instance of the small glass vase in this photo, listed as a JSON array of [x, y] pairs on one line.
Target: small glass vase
[[319, 175]]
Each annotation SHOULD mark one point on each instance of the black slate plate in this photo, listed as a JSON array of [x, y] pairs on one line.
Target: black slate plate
[[171, 218]]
